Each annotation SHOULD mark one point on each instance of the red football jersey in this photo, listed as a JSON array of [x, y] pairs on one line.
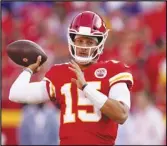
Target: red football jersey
[[81, 122]]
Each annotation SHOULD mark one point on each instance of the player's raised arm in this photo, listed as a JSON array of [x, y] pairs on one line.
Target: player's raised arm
[[22, 91]]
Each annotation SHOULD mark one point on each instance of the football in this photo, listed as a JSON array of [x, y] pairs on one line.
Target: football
[[25, 52]]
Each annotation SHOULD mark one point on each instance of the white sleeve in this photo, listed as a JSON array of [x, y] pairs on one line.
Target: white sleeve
[[22, 91], [120, 92]]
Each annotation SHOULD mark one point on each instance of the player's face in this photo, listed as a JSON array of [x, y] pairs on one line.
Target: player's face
[[84, 42]]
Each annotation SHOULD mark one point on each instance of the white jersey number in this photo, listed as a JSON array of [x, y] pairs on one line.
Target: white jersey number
[[83, 115]]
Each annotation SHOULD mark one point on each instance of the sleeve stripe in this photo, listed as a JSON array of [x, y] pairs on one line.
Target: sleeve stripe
[[52, 91], [121, 76]]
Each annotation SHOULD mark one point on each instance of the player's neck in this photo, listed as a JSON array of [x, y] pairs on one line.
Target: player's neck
[[83, 67]]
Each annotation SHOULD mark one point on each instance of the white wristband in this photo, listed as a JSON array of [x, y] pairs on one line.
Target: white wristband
[[95, 96]]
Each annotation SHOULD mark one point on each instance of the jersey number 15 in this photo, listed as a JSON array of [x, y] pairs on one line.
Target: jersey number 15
[[83, 115]]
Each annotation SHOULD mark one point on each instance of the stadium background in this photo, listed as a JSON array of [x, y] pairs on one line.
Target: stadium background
[[138, 38]]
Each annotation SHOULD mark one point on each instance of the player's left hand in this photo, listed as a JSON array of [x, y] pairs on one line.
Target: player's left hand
[[80, 81]]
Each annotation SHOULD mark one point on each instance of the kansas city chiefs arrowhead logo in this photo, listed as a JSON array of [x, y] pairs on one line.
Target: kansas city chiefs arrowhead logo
[[100, 73]]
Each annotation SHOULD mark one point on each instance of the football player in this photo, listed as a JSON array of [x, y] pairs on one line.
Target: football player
[[94, 97]]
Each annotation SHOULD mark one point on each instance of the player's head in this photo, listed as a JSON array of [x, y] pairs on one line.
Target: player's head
[[86, 37]]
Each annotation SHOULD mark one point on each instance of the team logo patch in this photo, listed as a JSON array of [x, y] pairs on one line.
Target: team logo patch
[[100, 73]]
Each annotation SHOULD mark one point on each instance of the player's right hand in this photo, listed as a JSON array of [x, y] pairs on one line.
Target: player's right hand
[[36, 66]]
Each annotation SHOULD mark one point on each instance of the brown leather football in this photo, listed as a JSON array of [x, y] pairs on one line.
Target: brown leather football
[[27, 50]]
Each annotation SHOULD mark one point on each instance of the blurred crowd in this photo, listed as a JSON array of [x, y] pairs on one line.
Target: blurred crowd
[[137, 37]]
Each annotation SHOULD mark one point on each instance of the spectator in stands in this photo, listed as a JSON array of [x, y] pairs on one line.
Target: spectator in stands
[[145, 125], [39, 126]]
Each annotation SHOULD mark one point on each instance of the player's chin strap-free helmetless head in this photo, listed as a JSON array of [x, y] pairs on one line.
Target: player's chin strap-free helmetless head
[[87, 24]]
